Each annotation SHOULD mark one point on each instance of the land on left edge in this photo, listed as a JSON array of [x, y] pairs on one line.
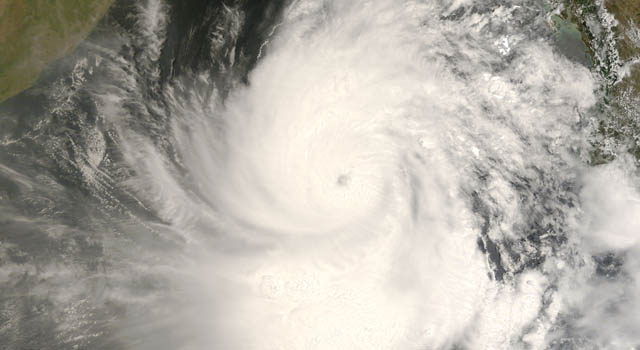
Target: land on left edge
[[35, 32]]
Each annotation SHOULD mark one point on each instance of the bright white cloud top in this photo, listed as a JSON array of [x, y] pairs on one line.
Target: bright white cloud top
[[391, 174], [375, 145]]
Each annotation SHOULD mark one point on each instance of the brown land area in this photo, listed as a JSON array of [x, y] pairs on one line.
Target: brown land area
[[35, 32], [627, 12]]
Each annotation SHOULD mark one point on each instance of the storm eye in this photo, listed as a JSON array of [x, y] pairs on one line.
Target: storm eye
[[343, 180]]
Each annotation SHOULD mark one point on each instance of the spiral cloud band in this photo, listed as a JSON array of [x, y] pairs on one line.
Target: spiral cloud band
[[325, 155], [380, 182]]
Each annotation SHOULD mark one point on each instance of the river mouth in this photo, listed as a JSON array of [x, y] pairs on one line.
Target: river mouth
[[314, 175]]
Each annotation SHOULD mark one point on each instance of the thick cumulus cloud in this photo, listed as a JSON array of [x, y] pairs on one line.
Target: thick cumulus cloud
[[603, 289], [611, 204], [376, 183]]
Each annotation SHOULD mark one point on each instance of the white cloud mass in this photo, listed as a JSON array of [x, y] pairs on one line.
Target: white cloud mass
[[379, 182]]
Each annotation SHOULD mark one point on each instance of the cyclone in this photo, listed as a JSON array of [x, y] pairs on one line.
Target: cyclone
[[347, 160], [325, 156], [318, 174]]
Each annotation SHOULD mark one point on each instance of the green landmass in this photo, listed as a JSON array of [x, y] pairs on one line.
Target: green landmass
[[35, 32], [627, 12], [614, 48], [625, 40]]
